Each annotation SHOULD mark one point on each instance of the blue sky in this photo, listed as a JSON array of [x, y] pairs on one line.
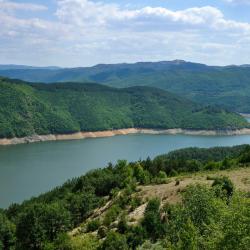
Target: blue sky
[[86, 32]]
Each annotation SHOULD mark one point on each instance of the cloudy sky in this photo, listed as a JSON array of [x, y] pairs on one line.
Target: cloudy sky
[[87, 32]]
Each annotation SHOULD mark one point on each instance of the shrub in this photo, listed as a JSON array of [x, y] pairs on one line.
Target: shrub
[[85, 242], [135, 202], [177, 182], [102, 231], [93, 225], [123, 225], [114, 241], [136, 236], [200, 205], [225, 185], [111, 215], [152, 220]]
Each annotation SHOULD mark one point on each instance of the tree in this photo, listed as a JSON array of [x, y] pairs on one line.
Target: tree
[[80, 204], [40, 223], [141, 175], [200, 205], [152, 220], [225, 185], [188, 237], [7, 233]]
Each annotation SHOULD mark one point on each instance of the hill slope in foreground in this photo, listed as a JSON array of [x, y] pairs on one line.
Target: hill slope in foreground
[[183, 200], [64, 108]]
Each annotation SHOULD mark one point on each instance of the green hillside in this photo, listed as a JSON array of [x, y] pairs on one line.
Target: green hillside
[[228, 86], [27, 109], [164, 203]]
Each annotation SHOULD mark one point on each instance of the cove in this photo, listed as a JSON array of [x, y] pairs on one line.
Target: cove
[[30, 169]]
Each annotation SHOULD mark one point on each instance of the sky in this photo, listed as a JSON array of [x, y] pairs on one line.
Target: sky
[[72, 33]]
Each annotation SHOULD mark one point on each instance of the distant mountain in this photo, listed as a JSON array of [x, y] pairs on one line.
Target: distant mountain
[[14, 67], [100, 72], [227, 86], [61, 108]]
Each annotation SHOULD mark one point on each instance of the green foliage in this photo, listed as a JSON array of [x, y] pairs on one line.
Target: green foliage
[[102, 231], [152, 220], [141, 175], [86, 242], [236, 225], [136, 236], [80, 205], [111, 215], [114, 241], [93, 225], [40, 223], [62, 242], [225, 185], [122, 226], [7, 233], [205, 154], [147, 245], [28, 109], [200, 206], [245, 155]]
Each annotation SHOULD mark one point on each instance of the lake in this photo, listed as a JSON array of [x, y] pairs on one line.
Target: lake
[[30, 169]]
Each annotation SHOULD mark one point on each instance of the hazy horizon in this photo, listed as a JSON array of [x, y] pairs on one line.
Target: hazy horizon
[[93, 65]]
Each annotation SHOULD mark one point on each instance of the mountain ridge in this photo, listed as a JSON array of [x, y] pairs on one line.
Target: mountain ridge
[[226, 86], [66, 108]]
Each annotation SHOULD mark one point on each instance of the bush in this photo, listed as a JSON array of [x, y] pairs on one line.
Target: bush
[[136, 236], [111, 215], [152, 220], [63, 242], [114, 241], [200, 205], [226, 164], [225, 185], [85, 242], [177, 182], [93, 225], [211, 166], [102, 231], [135, 202], [122, 226]]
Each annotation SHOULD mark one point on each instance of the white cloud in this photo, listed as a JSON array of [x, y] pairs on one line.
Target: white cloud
[[86, 13], [85, 33], [10, 5], [238, 2]]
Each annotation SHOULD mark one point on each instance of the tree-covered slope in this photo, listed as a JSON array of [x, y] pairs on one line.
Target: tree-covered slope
[[27, 109], [226, 86]]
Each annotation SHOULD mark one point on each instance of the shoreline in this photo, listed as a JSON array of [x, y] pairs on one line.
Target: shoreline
[[110, 133]]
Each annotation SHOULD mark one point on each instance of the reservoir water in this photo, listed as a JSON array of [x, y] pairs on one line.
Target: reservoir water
[[30, 169]]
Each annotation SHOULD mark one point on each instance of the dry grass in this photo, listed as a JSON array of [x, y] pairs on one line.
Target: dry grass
[[171, 193]]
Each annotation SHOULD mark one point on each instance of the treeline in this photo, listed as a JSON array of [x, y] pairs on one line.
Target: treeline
[[198, 223], [204, 154], [63, 108]]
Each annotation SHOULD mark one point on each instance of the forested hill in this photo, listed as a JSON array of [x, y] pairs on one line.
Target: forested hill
[[226, 86], [27, 109]]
